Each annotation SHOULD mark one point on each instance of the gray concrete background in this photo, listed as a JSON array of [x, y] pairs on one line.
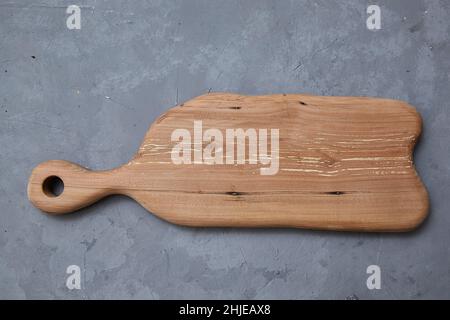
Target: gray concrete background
[[89, 95]]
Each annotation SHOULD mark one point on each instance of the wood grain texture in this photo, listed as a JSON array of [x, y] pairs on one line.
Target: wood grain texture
[[345, 163]]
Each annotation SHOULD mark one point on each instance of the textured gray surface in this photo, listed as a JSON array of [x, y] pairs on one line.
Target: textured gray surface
[[89, 96]]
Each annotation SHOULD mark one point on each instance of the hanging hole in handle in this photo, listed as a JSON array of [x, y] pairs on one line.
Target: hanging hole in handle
[[53, 186]]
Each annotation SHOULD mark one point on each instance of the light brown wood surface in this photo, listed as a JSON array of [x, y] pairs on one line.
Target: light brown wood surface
[[345, 163]]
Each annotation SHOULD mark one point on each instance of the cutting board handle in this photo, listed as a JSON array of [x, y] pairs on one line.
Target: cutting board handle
[[81, 186]]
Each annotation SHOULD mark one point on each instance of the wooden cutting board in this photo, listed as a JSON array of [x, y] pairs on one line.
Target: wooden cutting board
[[338, 163]]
